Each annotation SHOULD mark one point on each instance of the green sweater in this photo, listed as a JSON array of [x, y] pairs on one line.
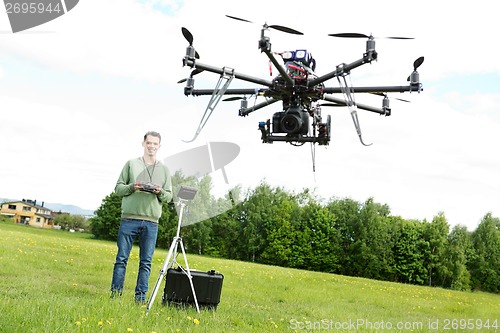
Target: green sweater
[[140, 205]]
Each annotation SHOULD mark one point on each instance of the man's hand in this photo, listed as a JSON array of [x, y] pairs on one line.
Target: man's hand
[[147, 187], [157, 190]]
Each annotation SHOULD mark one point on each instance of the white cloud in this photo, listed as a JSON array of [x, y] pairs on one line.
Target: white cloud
[[121, 38], [109, 71]]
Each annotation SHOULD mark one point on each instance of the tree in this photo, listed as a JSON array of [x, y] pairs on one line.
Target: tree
[[106, 222], [486, 243], [280, 235], [198, 212], [346, 212], [256, 219], [167, 226], [372, 249], [456, 254], [224, 235], [68, 221], [273, 226], [435, 234], [224, 226], [319, 232], [409, 248]]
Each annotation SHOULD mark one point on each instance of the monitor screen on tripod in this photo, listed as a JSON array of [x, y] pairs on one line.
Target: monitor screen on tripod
[[186, 192]]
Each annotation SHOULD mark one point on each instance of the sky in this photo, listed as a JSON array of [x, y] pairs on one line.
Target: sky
[[78, 93]]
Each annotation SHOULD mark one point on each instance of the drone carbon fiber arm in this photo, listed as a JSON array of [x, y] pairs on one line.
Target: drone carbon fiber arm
[[281, 70], [220, 70], [344, 69], [202, 92], [360, 106], [412, 87]]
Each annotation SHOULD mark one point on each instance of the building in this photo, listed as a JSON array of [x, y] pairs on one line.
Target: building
[[28, 212]]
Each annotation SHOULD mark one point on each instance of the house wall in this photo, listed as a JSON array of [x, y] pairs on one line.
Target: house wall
[[25, 213]]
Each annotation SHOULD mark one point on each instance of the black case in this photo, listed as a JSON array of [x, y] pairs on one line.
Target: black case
[[207, 286]]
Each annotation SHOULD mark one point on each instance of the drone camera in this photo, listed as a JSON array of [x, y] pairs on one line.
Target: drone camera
[[292, 121]]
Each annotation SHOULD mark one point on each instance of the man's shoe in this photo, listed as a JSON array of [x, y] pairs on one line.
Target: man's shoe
[[140, 298]]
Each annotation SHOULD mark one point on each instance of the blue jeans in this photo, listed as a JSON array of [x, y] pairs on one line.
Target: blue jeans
[[129, 230]]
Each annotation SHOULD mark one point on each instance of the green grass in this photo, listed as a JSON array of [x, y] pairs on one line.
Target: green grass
[[55, 281]]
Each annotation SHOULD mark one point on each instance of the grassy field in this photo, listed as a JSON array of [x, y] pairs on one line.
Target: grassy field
[[56, 281]]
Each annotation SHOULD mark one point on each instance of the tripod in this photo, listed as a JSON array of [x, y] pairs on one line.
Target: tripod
[[170, 261]]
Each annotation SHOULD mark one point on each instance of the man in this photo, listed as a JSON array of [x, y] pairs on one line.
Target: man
[[144, 184]]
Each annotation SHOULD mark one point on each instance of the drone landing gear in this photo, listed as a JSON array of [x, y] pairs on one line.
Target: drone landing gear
[[348, 93], [225, 80]]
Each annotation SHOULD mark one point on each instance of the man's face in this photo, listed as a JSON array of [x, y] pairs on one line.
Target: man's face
[[151, 145]]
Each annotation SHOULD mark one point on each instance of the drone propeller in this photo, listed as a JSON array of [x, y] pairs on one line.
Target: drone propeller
[[189, 37], [285, 29], [416, 64], [229, 99], [358, 35], [276, 27], [331, 104], [385, 95], [239, 19], [194, 72]]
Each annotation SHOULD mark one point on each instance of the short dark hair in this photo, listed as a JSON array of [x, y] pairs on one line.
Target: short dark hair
[[152, 133]]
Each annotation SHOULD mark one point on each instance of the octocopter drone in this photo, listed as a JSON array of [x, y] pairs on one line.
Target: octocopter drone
[[300, 89]]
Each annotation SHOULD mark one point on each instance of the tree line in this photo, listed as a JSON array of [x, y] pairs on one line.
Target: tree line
[[271, 225]]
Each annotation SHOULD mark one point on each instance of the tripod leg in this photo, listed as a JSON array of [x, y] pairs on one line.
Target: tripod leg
[[190, 277], [169, 260]]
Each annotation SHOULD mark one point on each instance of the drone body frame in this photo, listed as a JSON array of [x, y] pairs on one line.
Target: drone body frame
[[301, 92]]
